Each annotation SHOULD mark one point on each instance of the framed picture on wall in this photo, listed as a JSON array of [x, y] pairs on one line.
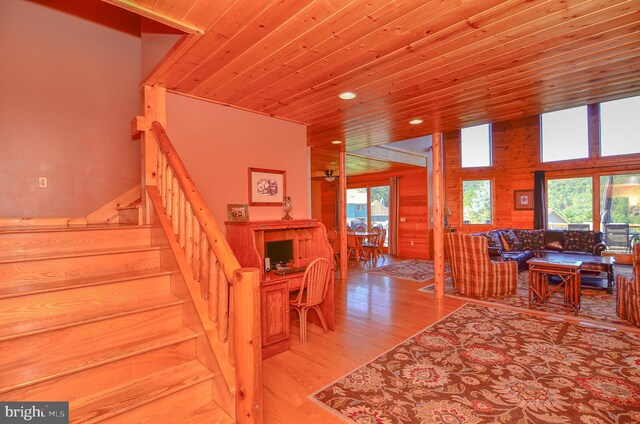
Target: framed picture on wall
[[237, 212], [523, 200], [267, 187]]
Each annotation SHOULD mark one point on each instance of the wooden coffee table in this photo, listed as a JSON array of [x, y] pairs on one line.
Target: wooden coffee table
[[600, 266], [567, 273]]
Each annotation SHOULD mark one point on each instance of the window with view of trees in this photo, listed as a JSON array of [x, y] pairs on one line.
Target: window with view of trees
[[569, 202], [475, 144], [620, 201], [564, 134], [620, 127], [476, 201]]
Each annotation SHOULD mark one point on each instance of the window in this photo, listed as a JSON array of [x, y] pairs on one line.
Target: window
[[356, 207], [620, 209], [569, 202], [476, 201], [368, 206], [620, 127], [564, 134], [476, 146]]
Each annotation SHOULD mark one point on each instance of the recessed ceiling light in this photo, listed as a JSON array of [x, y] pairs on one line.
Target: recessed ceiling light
[[347, 95], [336, 142], [416, 121]]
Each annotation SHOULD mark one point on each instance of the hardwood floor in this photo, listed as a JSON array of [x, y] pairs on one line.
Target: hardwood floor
[[373, 313]]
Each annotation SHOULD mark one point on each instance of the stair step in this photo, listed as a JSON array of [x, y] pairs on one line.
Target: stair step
[[40, 357], [195, 407], [23, 316], [27, 269], [72, 238], [92, 380], [130, 395], [40, 286]]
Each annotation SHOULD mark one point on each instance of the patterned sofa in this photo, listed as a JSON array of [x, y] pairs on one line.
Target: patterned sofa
[[473, 272], [628, 291], [521, 245]]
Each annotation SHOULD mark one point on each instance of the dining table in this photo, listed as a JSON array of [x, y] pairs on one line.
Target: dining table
[[363, 237]]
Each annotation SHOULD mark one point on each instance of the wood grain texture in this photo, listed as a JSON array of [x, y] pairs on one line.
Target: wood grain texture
[[373, 314], [413, 233], [516, 154], [454, 64]]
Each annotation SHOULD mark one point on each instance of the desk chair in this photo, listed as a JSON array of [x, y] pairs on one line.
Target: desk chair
[[313, 290]]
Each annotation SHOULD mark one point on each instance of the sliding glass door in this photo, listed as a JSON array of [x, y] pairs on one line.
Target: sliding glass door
[[368, 207]]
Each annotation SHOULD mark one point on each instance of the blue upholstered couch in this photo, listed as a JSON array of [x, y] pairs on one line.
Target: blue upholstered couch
[[522, 245]]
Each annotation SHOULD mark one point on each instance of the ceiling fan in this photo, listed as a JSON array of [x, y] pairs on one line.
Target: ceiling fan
[[329, 175]]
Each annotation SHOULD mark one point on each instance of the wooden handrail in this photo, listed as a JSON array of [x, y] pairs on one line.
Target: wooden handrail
[[208, 223], [231, 293]]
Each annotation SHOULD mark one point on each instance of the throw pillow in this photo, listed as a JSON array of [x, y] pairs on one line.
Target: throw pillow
[[494, 239], [579, 241], [510, 241]]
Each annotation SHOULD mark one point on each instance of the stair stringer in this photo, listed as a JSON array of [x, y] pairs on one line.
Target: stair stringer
[[223, 386]]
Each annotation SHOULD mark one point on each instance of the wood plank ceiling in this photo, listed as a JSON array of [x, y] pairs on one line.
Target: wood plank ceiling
[[452, 63]]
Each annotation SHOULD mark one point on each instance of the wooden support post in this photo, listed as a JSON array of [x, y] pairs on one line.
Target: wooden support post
[[248, 345], [342, 216], [154, 105], [438, 214]]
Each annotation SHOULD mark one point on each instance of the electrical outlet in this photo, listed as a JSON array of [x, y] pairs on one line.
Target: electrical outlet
[[43, 182], [411, 242], [403, 219]]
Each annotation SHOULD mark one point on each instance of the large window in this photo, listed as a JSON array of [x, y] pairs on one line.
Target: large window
[[357, 207], [368, 206], [476, 146], [620, 127], [564, 134], [570, 203], [620, 209], [476, 200]]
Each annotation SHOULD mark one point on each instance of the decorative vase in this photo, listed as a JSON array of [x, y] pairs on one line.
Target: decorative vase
[[287, 205]]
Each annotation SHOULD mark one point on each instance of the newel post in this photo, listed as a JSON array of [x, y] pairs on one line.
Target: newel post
[[248, 345], [154, 108]]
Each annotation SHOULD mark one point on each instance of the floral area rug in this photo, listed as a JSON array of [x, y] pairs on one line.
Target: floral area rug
[[492, 365], [412, 269], [595, 304]]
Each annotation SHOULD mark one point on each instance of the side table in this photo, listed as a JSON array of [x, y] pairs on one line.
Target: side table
[[568, 273]]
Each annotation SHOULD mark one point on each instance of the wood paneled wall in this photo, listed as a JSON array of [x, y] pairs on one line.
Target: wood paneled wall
[[516, 154], [413, 232]]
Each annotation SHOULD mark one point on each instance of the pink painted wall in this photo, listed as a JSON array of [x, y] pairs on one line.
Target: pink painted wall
[[218, 144], [69, 87]]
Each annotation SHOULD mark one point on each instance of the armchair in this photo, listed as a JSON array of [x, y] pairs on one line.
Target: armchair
[[628, 291], [473, 272]]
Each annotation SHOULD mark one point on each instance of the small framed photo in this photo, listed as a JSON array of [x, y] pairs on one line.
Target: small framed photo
[[237, 212], [266, 187], [523, 200]]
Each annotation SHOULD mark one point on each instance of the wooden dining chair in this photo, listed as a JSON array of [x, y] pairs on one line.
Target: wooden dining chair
[[333, 236], [360, 228], [371, 244], [353, 244], [313, 290]]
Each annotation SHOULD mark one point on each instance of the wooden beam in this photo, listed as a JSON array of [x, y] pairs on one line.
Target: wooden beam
[[438, 214], [342, 202], [155, 16], [391, 155]]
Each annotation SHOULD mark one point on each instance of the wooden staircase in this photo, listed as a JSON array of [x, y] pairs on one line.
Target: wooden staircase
[[97, 316]]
